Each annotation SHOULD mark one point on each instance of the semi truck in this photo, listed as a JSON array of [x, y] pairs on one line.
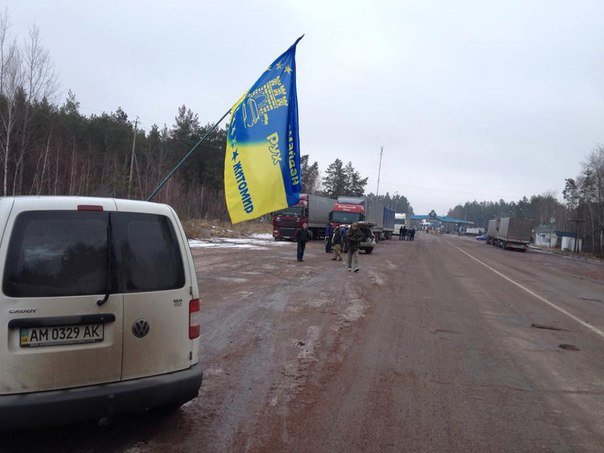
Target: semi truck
[[314, 210], [399, 221], [355, 209], [510, 233]]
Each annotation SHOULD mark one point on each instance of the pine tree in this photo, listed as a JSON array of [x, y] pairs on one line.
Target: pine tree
[[310, 175], [335, 182], [355, 185]]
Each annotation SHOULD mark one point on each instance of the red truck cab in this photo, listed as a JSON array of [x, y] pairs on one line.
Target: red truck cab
[[346, 214], [289, 220]]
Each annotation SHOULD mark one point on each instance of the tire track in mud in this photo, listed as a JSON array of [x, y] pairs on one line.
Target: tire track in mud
[[285, 315], [343, 312], [327, 319]]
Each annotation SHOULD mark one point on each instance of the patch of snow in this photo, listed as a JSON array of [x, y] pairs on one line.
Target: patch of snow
[[354, 311], [258, 242], [265, 236]]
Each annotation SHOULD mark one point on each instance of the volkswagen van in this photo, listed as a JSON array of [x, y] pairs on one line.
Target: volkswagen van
[[99, 310]]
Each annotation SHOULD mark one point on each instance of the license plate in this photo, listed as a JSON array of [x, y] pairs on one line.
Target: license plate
[[61, 335]]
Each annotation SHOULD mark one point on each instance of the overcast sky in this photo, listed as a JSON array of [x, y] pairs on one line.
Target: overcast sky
[[470, 99]]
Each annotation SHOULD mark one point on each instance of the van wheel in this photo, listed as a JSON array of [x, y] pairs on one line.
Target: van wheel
[[369, 250]]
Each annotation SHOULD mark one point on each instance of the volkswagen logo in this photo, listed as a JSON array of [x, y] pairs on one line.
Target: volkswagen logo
[[140, 328]]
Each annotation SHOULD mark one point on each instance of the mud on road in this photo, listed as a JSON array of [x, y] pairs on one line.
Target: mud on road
[[422, 350], [409, 354], [278, 331]]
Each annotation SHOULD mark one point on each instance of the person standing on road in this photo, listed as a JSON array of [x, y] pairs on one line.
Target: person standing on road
[[401, 233], [302, 236], [344, 241], [337, 244], [404, 232], [328, 237], [355, 237], [412, 234]]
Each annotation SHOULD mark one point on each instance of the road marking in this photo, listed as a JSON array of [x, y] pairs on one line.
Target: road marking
[[537, 296]]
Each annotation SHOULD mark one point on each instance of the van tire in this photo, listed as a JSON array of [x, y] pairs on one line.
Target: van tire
[[369, 250]]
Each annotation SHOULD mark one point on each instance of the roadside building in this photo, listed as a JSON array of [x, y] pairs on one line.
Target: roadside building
[[549, 236], [546, 236], [571, 243]]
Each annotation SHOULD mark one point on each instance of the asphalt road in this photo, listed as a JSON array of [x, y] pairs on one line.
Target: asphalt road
[[441, 344]]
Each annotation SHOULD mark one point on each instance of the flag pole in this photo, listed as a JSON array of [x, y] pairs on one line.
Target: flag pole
[[182, 161]]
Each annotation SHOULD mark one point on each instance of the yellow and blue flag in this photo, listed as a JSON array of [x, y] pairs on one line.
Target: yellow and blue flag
[[262, 161]]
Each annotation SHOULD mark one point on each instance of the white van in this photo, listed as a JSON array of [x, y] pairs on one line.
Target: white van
[[99, 310]]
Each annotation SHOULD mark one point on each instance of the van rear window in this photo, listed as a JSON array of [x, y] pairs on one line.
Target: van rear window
[[57, 253], [64, 253], [150, 258]]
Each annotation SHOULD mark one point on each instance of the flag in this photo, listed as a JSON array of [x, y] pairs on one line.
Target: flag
[[262, 160]]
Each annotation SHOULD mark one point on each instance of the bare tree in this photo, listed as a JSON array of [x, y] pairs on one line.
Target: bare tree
[[39, 82], [593, 187], [10, 83]]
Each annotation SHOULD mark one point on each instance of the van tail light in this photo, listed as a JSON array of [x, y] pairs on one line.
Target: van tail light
[[194, 318]]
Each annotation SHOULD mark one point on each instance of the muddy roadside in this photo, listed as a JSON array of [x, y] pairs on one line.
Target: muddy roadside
[[271, 324]]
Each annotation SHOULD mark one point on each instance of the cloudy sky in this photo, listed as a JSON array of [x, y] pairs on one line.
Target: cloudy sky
[[470, 99]]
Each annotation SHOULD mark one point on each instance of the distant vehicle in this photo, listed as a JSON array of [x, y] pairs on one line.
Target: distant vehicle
[[354, 209], [313, 210], [346, 213], [399, 220], [472, 231], [368, 243], [510, 233], [482, 237]]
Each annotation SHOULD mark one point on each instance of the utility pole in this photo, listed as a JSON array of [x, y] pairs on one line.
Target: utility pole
[[132, 156], [379, 172]]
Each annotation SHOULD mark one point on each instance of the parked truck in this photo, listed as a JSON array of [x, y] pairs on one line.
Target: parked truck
[[399, 221], [313, 210], [473, 231], [509, 232], [355, 209]]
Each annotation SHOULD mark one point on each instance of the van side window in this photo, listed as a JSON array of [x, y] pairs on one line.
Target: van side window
[[57, 253], [150, 258]]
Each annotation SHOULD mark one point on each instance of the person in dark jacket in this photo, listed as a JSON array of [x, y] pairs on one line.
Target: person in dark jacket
[[355, 237], [302, 236], [404, 232], [337, 244], [344, 241], [328, 237]]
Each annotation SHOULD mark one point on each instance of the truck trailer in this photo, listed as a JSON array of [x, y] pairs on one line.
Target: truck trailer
[[313, 210], [510, 233], [355, 209]]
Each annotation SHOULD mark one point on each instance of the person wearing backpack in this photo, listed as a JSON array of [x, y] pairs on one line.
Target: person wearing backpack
[[355, 237]]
